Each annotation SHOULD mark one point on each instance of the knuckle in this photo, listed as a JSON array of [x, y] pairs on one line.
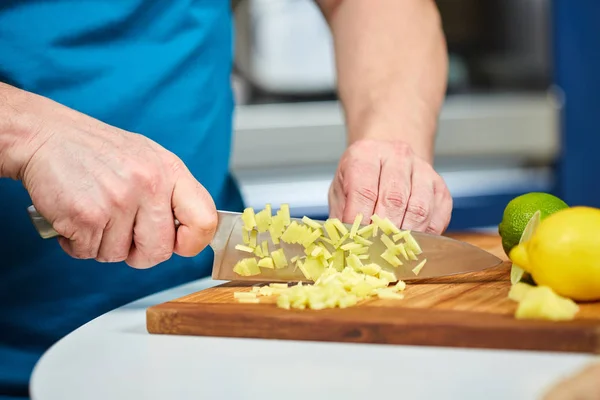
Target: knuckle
[[395, 199], [418, 211], [95, 216], [365, 195], [147, 178]]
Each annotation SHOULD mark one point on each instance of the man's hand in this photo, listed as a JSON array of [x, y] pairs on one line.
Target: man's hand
[[113, 195], [388, 179]]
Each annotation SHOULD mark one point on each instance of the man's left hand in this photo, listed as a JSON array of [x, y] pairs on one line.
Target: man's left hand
[[386, 178]]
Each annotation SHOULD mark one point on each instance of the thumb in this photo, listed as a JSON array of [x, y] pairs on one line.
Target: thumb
[[197, 214]]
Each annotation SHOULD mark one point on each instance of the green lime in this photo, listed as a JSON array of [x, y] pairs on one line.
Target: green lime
[[519, 211]]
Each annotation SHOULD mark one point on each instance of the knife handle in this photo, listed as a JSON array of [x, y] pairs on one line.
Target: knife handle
[[45, 229]]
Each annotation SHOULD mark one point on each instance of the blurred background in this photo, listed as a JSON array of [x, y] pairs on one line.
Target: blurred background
[[501, 131]]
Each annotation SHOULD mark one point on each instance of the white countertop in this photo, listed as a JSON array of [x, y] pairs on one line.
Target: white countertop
[[113, 357]]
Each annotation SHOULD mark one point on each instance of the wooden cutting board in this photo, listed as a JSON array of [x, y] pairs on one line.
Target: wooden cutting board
[[469, 310]]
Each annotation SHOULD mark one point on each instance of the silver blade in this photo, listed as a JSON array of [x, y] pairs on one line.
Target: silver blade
[[445, 256]]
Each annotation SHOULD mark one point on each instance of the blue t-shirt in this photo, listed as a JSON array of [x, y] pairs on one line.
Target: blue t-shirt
[[156, 67]]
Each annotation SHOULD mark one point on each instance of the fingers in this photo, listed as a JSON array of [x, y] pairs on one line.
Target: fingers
[[153, 235], [421, 202], [442, 209], [117, 239], [361, 180], [336, 199], [194, 208], [394, 187], [81, 234]]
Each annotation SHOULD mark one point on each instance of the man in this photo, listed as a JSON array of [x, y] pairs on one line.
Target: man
[[115, 116]]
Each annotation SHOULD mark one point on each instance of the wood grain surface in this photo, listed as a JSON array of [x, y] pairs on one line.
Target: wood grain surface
[[469, 310]]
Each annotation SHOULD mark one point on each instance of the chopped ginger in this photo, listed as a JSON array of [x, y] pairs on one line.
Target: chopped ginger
[[417, 270], [279, 259], [355, 225], [266, 262], [248, 217], [244, 248]]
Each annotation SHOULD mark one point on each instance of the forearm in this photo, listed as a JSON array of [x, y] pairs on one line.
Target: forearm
[[392, 65], [16, 130]]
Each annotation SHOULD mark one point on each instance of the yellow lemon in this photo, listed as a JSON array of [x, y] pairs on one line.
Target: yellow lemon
[[564, 253]]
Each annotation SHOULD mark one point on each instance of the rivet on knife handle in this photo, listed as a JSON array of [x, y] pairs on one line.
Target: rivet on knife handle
[[45, 229]]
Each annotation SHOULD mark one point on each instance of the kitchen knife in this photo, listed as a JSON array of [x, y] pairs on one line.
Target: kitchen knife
[[445, 256]]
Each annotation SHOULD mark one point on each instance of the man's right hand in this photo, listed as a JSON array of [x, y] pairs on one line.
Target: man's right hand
[[111, 194]]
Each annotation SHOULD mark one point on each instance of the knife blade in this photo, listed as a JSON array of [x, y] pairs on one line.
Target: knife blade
[[445, 256]]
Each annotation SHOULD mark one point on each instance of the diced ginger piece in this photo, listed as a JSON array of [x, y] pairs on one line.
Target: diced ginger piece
[[350, 246], [354, 262], [253, 236], [327, 240], [253, 301], [312, 223], [263, 220], [387, 276], [401, 249], [290, 235], [247, 267], [386, 226], [400, 286], [366, 231], [279, 258], [518, 291], [332, 232], [375, 230], [388, 243], [339, 226], [325, 253], [275, 234], [256, 288], [244, 295], [284, 211], [248, 217], [378, 221], [265, 248], [342, 240], [377, 282], [283, 302], [417, 270], [316, 251], [314, 267], [400, 235], [411, 244], [347, 301], [266, 262], [389, 294], [355, 225], [243, 248], [266, 291], [258, 252], [312, 237], [363, 256], [245, 236], [278, 285], [371, 269], [360, 250], [391, 258], [361, 240], [411, 255], [362, 289], [338, 260], [541, 302], [303, 269]]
